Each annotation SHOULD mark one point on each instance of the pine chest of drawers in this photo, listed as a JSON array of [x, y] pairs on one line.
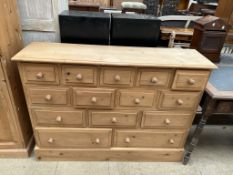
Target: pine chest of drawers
[[89, 102]]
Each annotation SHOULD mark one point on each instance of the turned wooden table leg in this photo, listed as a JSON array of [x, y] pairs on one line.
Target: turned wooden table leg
[[208, 109]]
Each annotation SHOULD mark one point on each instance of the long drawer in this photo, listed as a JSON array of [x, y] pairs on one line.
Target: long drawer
[[73, 137], [149, 138]]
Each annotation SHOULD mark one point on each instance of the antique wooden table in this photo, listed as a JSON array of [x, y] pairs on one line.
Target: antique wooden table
[[218, 99]]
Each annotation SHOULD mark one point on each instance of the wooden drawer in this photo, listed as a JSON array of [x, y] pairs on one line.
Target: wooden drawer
[[117, 76], [82, 75], [58, 117], [113, 118], [149, 138], [154, 77], [190, 80], [49, 95], [73, 137], [179, 100], [39, 73], [134, 98], [93, 97], [172, 119]]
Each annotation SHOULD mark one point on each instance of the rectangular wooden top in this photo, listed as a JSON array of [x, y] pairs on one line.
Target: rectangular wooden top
[[113, 55]]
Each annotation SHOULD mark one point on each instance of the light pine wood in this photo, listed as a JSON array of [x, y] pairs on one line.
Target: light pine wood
[[113, 55]]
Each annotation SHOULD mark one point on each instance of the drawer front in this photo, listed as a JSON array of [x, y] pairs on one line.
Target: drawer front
[[154, 77], [179, 100], [51, 96], [73, 138], [113, 118], [190, 80], [130, 98], [149, 138], [173, 119], [39, 73], [56, 117], [94, 97], [117, 76], [82, 75]]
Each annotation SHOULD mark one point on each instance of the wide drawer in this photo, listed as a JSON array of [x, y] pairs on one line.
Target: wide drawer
[[149, 138], [49, 95], [113, 118], [154, 77], [179, 100], [135, 98], [190, 80], [58, 117], [93, 97], [73, 137], [162, 119], [39, 73], [117, 76], [81, 75]]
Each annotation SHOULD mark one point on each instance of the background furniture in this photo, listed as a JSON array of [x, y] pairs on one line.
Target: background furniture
[[209, 36], [136, 7], [84, 6], [15, 128], [92, 102], [218, 99]]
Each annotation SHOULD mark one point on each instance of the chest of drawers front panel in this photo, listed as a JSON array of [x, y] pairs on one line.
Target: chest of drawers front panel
[[94, 107]]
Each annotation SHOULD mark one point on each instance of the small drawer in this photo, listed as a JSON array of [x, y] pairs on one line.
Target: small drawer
[[117, 76], [73, 138], [179, 100], [93, 97], [49, 95], [56, 117], [149, 138], [160, 119], [190, 80], [113, 118], [82, 75], [132, 98], [39, 73], [154, 77]]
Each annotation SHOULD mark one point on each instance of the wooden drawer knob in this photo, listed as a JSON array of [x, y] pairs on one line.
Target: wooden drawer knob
[[39, 75], [114, 120], [167, 121], [154, 80], [127, 140], [117, 78], [97, 140], [93, 99], [79, 77], [180, 102], [48, 97], [50, 140], [137, 101], [58, 119], [191, 81], [171, 141]]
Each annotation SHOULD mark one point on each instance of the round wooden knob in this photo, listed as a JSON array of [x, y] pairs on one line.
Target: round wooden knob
[[171, 141], [127, 140], [137, 101], [39, 75], [58, 119], [191, 81], [97, 140], [117, 78], [114, 120], [50, 140], [48, 97], [93, 99], [154, 80], [167, 121], [79, 77], [180, 102]]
